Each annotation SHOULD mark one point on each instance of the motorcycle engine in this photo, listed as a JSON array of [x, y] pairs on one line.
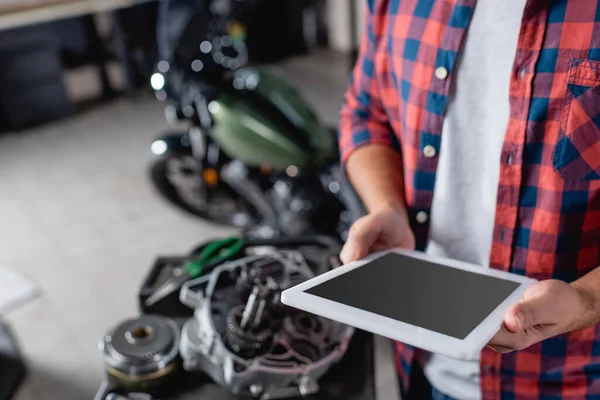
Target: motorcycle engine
[[295, 206], [246, 340], [287, 206]]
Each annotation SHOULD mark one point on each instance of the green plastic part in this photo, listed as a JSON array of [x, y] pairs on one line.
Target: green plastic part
[[214, 253]]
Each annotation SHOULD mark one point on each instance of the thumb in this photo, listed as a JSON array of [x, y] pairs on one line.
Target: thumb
[[362, 235], [523, 315]]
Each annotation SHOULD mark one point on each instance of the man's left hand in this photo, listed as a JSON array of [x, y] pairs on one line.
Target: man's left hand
[[548, 308]]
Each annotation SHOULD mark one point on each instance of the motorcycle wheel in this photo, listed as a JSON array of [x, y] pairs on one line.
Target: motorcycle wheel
[[175, 179]]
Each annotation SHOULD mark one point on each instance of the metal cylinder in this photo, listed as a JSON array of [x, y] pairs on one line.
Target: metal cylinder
[[141, 353]]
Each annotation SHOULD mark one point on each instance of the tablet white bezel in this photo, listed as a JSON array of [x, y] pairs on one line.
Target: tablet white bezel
[[436, 342]]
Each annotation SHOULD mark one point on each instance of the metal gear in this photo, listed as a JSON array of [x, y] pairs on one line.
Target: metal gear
[[141, 338], [247, 343], [142, 352]]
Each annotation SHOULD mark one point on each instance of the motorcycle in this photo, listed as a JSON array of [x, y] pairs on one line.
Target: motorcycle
[[250, 153]]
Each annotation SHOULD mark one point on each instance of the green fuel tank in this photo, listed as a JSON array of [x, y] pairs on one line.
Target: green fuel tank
[[270, 124]]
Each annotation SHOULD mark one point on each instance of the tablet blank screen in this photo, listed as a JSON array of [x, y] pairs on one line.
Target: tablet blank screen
[[431, 296]]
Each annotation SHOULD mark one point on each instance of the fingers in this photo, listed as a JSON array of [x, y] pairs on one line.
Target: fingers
[[500, 349], [362, 236], [543, 312], [505, 341]]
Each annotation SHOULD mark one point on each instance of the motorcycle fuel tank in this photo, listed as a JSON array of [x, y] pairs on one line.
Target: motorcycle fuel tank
[[265, 121]]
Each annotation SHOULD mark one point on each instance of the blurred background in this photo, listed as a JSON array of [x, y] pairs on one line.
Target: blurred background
[[135, 128]]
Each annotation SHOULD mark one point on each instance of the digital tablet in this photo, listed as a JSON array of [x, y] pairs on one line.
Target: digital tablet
[[436, 304]]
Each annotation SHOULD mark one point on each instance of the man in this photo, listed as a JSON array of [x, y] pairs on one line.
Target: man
[[471, 130]]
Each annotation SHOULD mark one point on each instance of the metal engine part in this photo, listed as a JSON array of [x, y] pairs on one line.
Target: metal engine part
[[294, 207], [335, 182], [141, 353], [285, 208], [235, 174], [246, 340]]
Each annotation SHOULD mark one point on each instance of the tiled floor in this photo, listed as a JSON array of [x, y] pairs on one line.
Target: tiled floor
[[80, 219]]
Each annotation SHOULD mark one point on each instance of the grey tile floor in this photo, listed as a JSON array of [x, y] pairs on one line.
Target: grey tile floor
[[79, 218]]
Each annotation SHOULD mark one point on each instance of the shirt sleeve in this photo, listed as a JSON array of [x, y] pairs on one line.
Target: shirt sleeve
[[362, 118]]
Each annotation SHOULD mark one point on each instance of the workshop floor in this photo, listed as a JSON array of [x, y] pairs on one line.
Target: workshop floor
[[79, 218]]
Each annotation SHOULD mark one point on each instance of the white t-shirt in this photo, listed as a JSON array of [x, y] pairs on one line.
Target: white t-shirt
[[464, 201]]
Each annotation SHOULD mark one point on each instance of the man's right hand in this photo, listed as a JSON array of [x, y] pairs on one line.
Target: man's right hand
[[380, 230]]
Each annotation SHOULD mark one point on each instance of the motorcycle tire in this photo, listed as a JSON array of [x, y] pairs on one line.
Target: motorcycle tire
[[158, 171]]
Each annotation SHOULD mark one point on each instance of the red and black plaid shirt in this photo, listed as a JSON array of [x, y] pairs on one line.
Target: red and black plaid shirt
[[547, 221]]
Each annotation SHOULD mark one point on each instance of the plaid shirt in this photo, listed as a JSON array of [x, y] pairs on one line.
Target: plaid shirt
[[547, 221]]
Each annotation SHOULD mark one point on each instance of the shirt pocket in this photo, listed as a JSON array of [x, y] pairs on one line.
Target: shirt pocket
[[577, 152]]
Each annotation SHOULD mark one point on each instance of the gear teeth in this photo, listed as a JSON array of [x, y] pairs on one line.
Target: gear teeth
[[246, 344]]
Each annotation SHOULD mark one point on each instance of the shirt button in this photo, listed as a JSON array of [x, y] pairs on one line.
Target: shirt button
[[422, 217], [429, 151], [522, 72], [441, 73], [489, 367]]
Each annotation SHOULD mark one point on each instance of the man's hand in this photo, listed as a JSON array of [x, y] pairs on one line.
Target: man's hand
[[380, 230], [548, 308], [375, 171]]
